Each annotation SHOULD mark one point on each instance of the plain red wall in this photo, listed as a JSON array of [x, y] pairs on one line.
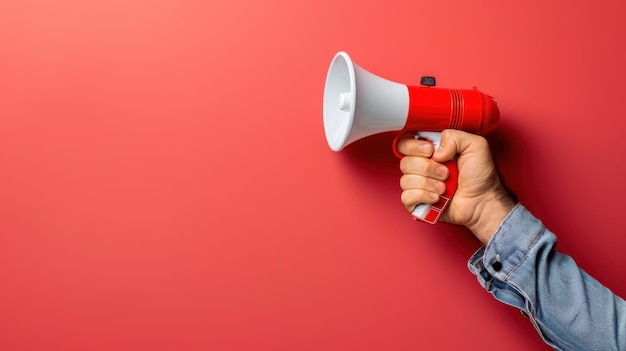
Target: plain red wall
[[165, 183]]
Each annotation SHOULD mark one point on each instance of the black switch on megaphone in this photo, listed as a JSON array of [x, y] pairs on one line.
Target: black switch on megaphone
[[428, 81]]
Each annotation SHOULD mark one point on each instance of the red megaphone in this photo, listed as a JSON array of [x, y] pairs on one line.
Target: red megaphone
[[358, 104]]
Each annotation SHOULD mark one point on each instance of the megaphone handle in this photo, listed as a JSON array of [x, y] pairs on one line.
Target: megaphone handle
[[430, 213]]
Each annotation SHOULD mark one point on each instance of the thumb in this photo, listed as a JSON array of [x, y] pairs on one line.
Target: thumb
[[453, 142]]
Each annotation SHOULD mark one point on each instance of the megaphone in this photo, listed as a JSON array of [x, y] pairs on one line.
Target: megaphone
[[358, 104]]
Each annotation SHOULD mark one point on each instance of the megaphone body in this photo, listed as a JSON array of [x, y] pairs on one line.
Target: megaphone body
[[358, 104]]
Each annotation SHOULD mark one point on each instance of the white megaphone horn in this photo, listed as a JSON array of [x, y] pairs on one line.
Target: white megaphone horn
[[358, 104]]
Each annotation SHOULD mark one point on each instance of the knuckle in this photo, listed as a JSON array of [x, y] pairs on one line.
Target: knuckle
[[481, 141], [407, 198], [427, 167], [448, 134], [407, 164], [413, 197], [403, 165], [412, 181], [409, 147], [405, 182], [402, 146]]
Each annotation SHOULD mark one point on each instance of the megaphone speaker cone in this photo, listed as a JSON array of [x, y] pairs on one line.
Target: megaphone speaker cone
[[339, 94], [358, 103]]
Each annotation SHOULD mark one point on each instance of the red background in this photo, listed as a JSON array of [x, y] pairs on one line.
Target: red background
[[165, 182]]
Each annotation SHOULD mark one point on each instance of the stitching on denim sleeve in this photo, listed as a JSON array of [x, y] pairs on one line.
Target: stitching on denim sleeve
[[530, 248]]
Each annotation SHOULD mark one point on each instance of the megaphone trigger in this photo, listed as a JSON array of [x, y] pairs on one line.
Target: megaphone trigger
[[433, 137], [397, 139]]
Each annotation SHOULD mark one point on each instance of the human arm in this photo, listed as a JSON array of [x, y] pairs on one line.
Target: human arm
[[569, 308], [519, 263]]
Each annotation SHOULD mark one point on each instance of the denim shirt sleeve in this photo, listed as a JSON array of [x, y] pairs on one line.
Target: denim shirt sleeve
[[521, 267]]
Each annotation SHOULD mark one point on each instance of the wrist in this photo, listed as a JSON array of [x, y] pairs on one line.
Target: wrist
[[490, 213]]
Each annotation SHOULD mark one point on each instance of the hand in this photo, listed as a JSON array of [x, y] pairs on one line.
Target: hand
[[481, 201]]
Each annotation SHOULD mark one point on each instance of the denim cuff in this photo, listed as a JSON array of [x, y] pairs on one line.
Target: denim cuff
[[507, 248]]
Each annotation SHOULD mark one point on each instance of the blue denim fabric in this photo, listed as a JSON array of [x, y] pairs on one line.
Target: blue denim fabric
[[521, 267]]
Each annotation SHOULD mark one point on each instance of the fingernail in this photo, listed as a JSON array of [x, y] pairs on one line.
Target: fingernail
[[441, 171], [440, 187]]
